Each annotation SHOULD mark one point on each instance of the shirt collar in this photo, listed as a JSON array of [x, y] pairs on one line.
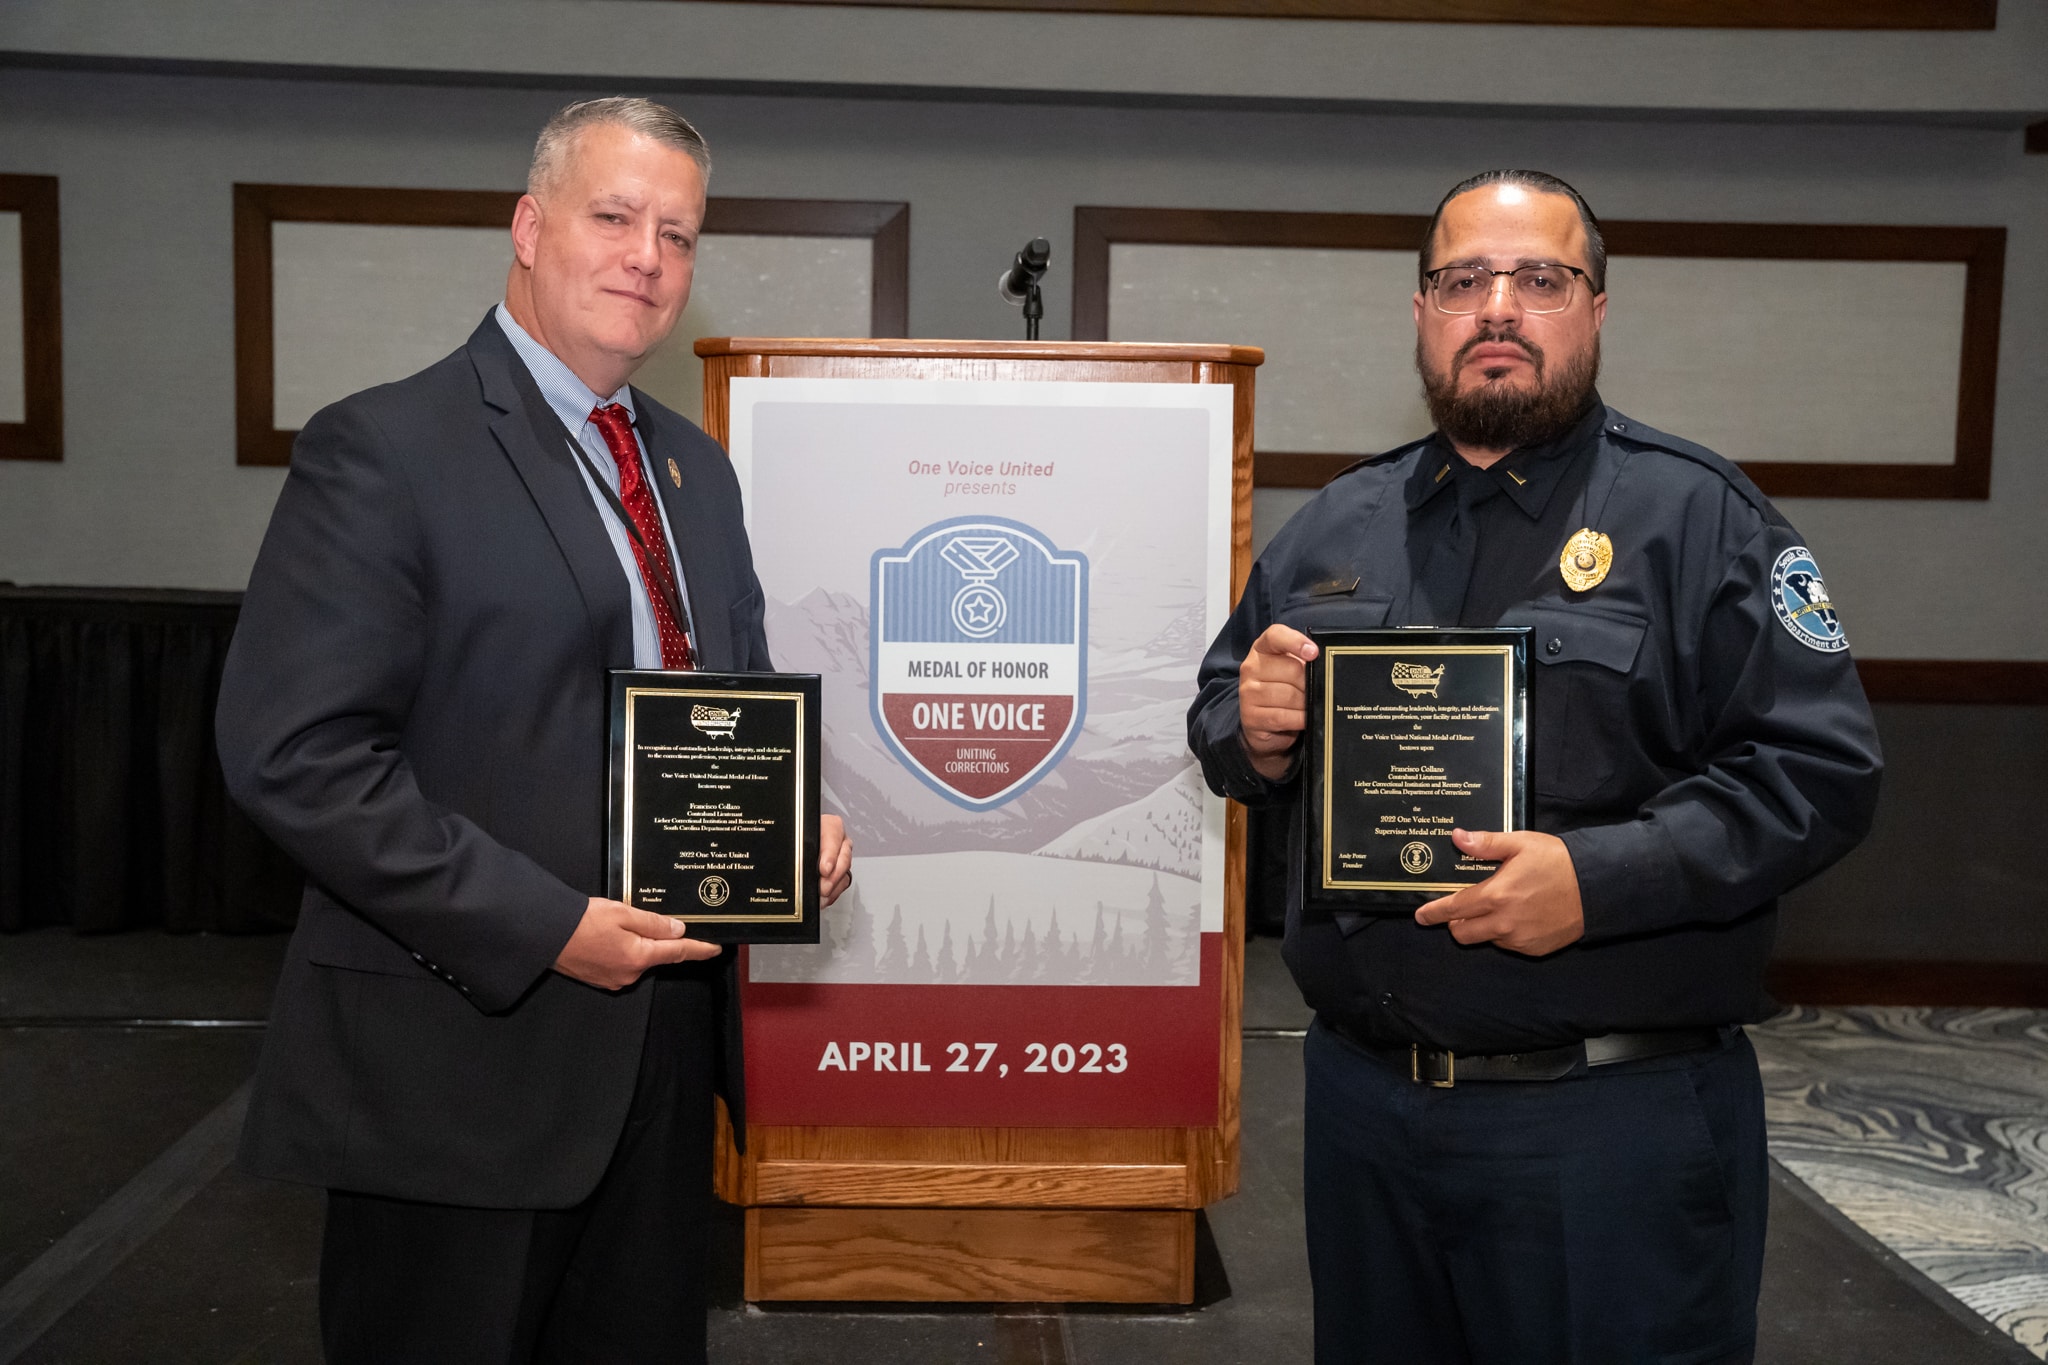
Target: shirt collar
[[569, 397], [1527, 474]]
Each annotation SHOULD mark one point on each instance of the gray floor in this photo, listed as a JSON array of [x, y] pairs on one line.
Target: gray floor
[[229, 1276]]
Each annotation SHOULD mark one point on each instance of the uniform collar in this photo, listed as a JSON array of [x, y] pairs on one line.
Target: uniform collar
[[1528, 474]]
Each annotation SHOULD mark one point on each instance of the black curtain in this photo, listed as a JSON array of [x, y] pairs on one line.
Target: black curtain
[[113, 814]]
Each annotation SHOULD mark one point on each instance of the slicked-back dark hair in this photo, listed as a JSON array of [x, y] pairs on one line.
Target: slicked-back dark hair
[[1541, 183]]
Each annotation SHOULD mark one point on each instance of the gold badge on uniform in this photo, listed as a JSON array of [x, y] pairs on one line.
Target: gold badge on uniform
[[675, 476], [1585, 560]]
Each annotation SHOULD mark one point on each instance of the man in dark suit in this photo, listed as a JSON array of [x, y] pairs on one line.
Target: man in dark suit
[[504, 1081]]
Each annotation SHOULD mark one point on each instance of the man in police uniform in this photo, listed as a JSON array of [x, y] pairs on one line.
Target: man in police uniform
[[1534, 1128]]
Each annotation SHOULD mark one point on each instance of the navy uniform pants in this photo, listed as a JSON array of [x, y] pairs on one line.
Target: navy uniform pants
[[619, 1278], [1614, 1217]]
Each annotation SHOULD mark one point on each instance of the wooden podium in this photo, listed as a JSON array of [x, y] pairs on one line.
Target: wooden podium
[[989, 1214]]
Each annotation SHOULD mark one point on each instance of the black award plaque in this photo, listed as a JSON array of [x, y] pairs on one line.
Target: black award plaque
[[714, 801], [1411, 733]]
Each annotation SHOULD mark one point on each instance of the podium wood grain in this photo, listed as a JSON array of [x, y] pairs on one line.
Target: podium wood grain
[[995, 1214], [971, 1255]]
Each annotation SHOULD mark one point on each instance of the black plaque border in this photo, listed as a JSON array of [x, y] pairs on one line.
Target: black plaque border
[[1512, 642], [627, 685]]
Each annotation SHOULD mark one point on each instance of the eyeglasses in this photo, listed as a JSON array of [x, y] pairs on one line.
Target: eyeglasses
[[1536, 288]]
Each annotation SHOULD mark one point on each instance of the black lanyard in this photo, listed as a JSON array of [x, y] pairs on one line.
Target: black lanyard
[[669, 596]]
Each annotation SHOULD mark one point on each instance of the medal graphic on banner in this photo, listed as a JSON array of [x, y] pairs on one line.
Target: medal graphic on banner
[[979, 656]]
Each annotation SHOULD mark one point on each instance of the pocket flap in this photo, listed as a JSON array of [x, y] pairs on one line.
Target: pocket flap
[[1579, 635], [1327, 607]]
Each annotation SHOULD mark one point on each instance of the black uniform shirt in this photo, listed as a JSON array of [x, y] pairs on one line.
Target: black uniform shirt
[[1516, 509], [1698, 736]]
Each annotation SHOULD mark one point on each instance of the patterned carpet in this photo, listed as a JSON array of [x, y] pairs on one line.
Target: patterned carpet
[[1929, 1129]]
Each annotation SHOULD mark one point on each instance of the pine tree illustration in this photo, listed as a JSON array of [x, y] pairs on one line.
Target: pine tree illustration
[[895, 961], [1004, 968], [1187, 949], [1091, 969], [921, 961], [1024, 966], [856, 952], [1050, 966], [948, 971], [1158, 945], [1116, 965], [988, 960]]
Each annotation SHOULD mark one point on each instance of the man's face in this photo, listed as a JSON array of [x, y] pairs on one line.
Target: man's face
[[1501, 360], [611, 248]]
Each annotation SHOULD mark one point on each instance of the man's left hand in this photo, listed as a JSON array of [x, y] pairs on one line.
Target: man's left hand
[[835, 859], [1529, 905]]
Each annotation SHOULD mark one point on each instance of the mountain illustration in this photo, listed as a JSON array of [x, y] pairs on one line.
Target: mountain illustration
[[1162, 830]]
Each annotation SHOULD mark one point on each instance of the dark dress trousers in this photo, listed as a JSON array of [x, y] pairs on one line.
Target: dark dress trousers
[[414, 709]]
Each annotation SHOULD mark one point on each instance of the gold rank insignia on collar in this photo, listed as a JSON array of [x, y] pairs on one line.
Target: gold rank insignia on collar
[[1586, 558], [675, 475]]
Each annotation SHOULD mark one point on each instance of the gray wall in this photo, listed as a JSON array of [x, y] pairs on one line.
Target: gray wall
[[1894, 128], [149, 494], [1951, 871]]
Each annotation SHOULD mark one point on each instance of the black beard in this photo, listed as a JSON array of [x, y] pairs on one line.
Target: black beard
[[1499, 417]]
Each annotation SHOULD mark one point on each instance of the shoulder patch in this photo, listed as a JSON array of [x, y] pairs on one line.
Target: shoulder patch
[[1800, 599], [1629, 429]]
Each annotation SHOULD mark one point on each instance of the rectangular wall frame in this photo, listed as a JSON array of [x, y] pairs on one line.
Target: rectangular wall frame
[[1976, 253], [261, 439], [39, 435]]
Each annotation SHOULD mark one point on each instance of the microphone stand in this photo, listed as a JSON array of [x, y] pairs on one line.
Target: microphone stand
[[1034, 309]]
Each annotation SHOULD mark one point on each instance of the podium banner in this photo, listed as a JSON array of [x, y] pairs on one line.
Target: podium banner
[[1006, 588]]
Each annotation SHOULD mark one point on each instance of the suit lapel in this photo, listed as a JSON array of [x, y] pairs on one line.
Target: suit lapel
[[680, 485], [530, 435]]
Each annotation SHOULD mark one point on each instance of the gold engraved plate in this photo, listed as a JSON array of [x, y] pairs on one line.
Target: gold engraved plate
[[1585, 560], [675, 476]]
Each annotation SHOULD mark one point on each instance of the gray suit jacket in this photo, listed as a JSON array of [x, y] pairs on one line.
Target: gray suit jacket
[[414, 709]]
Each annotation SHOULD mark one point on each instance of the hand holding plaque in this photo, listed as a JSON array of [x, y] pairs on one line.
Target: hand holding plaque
[[715, 802], [1411, 733]]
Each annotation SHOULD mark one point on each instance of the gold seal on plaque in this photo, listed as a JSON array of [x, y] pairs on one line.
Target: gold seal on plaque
[[1416, 857], [1585, 560]]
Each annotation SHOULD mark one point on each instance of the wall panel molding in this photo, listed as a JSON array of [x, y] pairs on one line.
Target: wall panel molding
[[1980, 250], [1980, 682], [40, 435], [1736, 14], [258, 438], [2013, 985]]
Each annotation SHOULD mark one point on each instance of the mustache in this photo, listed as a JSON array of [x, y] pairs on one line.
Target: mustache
[[1498, 336]]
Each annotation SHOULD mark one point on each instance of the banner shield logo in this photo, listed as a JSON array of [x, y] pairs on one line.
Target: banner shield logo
[[979, 656]]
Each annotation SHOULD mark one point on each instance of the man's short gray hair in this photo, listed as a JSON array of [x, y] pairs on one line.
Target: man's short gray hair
[[552, 149]]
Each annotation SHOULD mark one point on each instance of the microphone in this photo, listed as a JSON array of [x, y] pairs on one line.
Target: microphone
[[1024, 273]]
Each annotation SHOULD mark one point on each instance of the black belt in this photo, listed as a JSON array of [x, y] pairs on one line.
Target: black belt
[[1443, 1068]]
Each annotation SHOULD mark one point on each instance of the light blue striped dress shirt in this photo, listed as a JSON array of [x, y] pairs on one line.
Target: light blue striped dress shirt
[[573, 402]]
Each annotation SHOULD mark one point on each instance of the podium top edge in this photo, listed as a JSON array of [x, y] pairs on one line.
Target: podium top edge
[[983, 350]]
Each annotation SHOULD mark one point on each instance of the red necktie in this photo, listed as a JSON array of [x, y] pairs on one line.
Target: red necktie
[[650, 549]]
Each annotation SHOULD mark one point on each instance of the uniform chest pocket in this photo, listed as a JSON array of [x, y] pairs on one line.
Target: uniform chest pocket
[[1336, 605], [1578, 695]]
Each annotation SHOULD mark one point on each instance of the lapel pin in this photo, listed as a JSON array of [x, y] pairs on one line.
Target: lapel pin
[[1585, 560], [675, 475]]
